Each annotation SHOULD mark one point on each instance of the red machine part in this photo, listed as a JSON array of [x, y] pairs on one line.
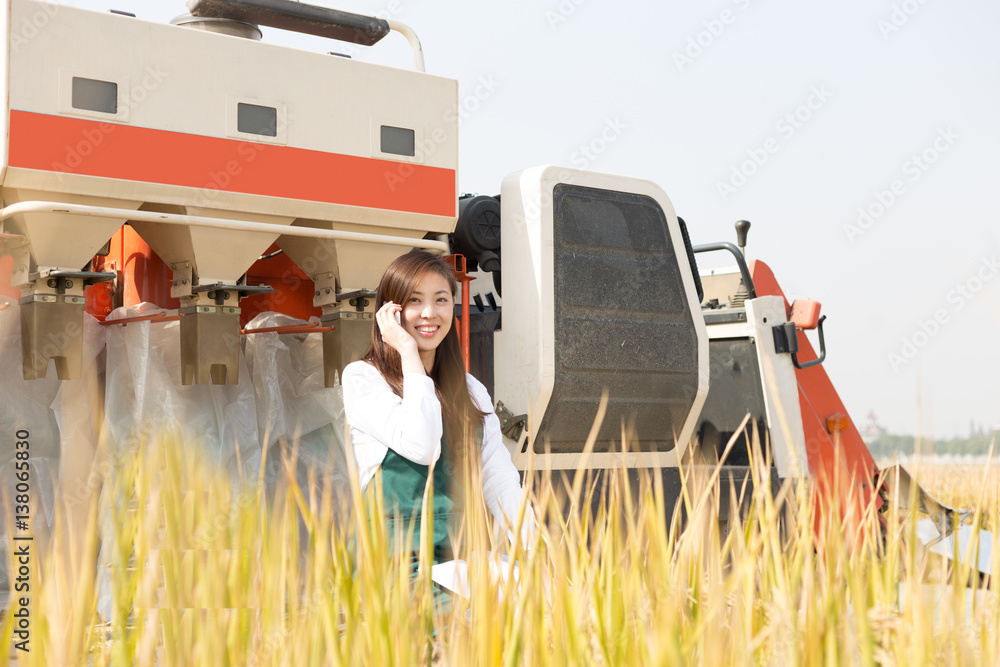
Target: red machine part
[[293, 289], [6, 269], [143, 276], [312, 327], [805, 313], [838, 459], [155, 317], [101, 296], [458, 264]]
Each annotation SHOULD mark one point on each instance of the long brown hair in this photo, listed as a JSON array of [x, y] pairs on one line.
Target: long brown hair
[[461, 416]]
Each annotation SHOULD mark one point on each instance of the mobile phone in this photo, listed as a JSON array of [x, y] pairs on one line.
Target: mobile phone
[[399, 320]]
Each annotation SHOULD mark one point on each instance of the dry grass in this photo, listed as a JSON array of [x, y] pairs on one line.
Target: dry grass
[[962, 485], [208, 572]]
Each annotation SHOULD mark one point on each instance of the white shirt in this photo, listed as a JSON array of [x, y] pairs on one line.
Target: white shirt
[[412, 427]]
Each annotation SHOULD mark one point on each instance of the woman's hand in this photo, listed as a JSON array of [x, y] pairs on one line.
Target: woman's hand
[[394, 335], [398, 338]]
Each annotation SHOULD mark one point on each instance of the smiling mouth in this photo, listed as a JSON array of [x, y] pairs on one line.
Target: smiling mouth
[[428, 330]]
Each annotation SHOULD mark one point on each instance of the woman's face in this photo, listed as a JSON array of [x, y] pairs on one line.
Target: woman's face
[[428, 314]]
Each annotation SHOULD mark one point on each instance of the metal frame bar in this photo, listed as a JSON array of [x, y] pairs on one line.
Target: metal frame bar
[[461, 274], [311, 327], [29, 207], [155, 317], [740, 262]]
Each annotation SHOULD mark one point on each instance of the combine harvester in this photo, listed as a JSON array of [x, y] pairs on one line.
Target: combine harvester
[[163, 186]]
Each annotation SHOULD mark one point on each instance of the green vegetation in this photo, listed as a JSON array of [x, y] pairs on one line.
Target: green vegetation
[[888, 446]]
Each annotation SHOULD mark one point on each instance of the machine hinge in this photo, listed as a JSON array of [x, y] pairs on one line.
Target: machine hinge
[[511, 425]]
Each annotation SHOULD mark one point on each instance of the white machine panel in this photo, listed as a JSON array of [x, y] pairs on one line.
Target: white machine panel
[[160, 114], [605, 300]]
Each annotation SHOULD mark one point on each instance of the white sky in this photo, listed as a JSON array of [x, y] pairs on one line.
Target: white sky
[[563, 72]]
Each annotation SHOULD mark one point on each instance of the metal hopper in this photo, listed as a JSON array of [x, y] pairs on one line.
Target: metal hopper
[[207, 264], [52, 247]]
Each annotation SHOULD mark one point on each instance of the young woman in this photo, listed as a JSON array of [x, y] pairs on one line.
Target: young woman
[[410, 405]]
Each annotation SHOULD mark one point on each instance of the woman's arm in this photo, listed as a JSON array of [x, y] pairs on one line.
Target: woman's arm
[[410, 426], [501, 481]]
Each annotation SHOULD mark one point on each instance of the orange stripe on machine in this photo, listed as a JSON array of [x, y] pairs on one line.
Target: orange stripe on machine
[[110, 150]]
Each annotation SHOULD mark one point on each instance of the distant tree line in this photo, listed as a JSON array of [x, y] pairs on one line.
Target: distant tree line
[[976, 445]]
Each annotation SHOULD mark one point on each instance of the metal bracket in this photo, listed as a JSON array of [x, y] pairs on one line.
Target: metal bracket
[[61, 281], [219, 292], [198, 310], [511, 425], [64, 279], [326, 289], [358, 298], [345, 315], [183, 279], [785, 338]]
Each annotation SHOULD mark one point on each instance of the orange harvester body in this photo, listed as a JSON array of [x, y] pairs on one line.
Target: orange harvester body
[[839, 462]]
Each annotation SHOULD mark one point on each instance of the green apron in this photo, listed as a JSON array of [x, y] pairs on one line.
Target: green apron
[[403, 484]]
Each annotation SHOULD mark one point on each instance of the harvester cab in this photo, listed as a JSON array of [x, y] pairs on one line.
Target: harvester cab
[[608, 311], [602, 300]]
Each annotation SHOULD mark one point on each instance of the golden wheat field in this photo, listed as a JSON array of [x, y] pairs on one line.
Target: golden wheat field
[[206, 570]]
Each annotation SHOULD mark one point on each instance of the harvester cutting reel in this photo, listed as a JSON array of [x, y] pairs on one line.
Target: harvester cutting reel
[[944, 532]]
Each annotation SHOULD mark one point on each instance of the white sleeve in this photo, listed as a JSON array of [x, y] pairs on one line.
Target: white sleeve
[[410, 426], [501, 481]]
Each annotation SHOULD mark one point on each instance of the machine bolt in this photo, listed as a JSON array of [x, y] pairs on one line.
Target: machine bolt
[[225, 296], [184, 282], [52, 282], [317, 292], [69, 284], [327, 290]]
